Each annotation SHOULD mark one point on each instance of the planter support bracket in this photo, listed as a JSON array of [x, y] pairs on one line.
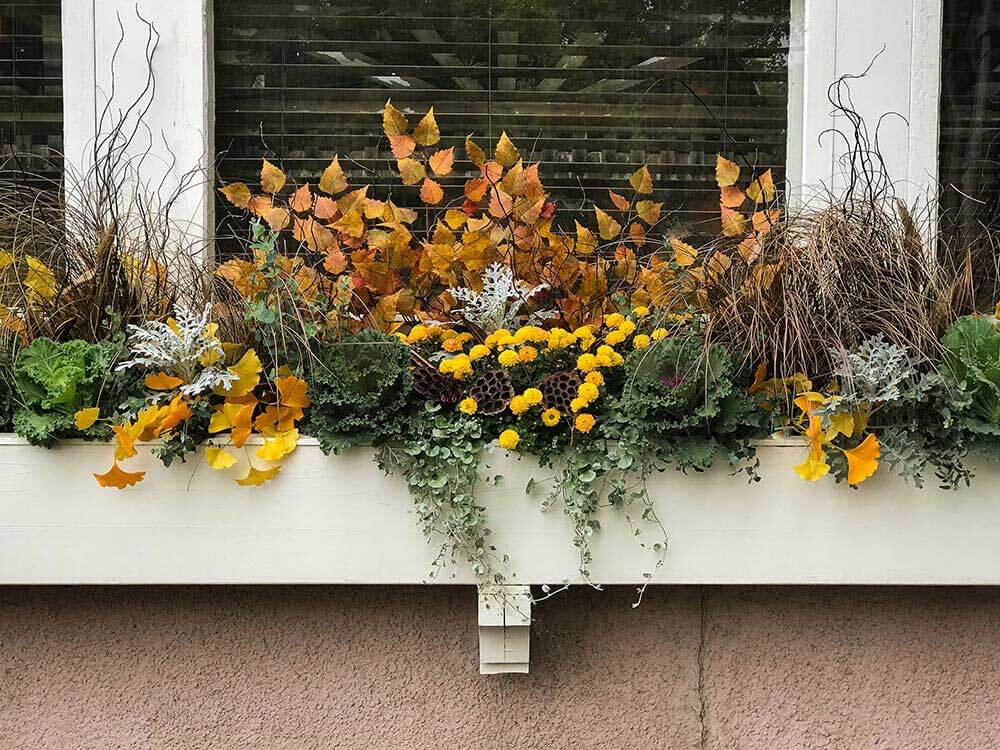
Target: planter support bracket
[[504, 629]]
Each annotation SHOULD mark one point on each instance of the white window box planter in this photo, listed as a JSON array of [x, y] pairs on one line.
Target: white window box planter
[[340, 520]]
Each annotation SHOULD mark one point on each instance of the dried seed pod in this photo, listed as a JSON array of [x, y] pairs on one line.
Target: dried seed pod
[[434, 385], [492, 391], [559, 390]]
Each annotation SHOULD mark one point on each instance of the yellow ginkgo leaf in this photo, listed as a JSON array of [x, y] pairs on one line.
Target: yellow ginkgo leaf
[[841, 423], [427, 133], [256, 477], [684, 254], [862, 461], [762, 188], [608, 228], [393, 121], [274, 448], [219, 458], [85, 418], [272, 179], [40, 280], [115, 477], [506, 152], [161, 381], [293, 391], [726, 172], [247, 372], [813, 468], [642, 181], [237, 193], [333, 180]]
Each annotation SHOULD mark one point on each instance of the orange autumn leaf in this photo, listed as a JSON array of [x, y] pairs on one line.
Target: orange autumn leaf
[[301, 200], [441, 161], [764, 221], [275, 419], [272, 179], [862, 461], [326, 208], [684, 254], [731, 196], [726, 172], [621, 202], [473, 152], [278, 218], [411, 171], [402, 145], [393, 121], [506, 152], [161, 381], [586, 242], [237, 193], [115, 477], [256, 477], [177, 412], [335, 261], [475, 189], [607, 227], [293, 391], [762, 188], [431, 192], [642, 181], [315, 236], [84, 419], [333, 180], [351, 224], [427, 133], [733, 223]]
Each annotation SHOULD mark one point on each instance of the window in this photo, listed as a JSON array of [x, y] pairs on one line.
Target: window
[[970, 115], [31, 88], [590, 88]]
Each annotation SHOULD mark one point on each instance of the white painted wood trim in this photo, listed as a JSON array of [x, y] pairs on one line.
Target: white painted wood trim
[[339, 520]]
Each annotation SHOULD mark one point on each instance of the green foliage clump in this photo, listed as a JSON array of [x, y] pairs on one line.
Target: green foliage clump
[[55, 380], [360, 391], [971, 366]]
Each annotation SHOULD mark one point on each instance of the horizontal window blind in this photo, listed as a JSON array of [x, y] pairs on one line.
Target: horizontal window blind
[[970, 114], [590, 89], [31, 129]]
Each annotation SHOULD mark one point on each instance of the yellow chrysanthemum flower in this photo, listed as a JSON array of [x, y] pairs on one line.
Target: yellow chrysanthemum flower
[[550, 417], [614, 320], [532, 396], [527, 354], [627, 327], [509, 440], [641, 311], [588, 392], [641, 341], [586, 363], [508, 358], [659, 334], [519, 405], [616, 337], [478, 352], [577, 404], [584, 422], [468, 406], [595, 377]]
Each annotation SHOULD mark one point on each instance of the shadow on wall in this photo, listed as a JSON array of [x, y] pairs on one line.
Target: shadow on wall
[[320, 667]]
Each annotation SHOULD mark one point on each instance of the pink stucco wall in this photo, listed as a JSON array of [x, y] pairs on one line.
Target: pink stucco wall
[[284, 667]]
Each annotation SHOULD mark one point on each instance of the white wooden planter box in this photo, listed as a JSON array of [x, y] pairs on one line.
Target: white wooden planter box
[[339, 519]]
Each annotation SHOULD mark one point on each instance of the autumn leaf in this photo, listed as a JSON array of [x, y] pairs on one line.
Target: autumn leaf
[[335, 261], [733, 223], [219, 458], [427, 133], [333, 180], [237, 193], [862, 461], [85, 418], [301, 200], [326, 208], [272, 179], [351, 224], [393, 121], [621, 202], [762, 188], [402, 145], [606, 226], [764, 221], [40, 280], [731, 196], [256, 477], [586, 242], [441, 161], [841, 423], [316, 236], [115, 477], [475, 189], [642, 181], [161, 381], [411, 171], [506, 152], [275, 448], [454, 218], [501, 204], [473, 152], [726, 172], [684, 254], [431, 192], [293, 391], [177, 412], [247, 371], [814, 467], [648, 211], [278, 218]]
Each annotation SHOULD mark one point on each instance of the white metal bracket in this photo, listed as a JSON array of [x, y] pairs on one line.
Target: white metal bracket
[[504, 629]]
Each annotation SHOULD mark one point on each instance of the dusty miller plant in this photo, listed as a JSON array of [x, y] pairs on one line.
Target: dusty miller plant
[[502, 301]]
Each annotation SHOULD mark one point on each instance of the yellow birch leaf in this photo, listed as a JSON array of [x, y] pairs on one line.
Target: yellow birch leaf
[[862, 461], [219, 458], [454, 218], [506, 152], [162, 382], [402, 145], [411, 171], [684, 254], [237, 193], [85, 418], [427, 133], [442, 161], [621, 202], [115, 477], [733, 223], [726, 172], [731, 196], [642, 181], [762, 188], [351, 224], [301, 200], [393, 121], [586, 242], [431, 192], [272, 179], [606, 226], [475, 154], [648, 211], [333, 180], [278, 218], [39, 280], [256, 477]]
